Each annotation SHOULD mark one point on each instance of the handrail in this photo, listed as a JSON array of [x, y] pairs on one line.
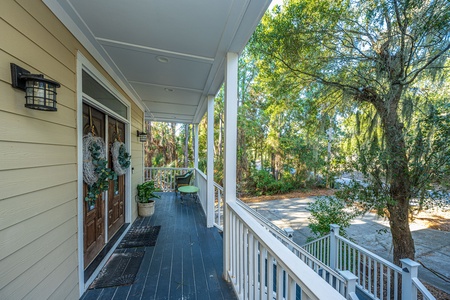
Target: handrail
[[320, 267], [252, 245], [373, 271], [426, 295], [263, 220], [377, 277], [371, 254], [320, 249], [310, 244]]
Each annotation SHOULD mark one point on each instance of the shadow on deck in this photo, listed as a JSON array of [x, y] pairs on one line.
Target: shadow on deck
[[185, 263]]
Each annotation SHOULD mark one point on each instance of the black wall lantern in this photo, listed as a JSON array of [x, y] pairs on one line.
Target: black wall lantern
[[40, 93], [142, 136]]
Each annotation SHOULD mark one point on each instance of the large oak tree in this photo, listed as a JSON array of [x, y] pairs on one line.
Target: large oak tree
[[364, 55]]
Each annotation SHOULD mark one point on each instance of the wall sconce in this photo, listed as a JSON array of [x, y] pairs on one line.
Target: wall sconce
[[40, 93], [142, 136]]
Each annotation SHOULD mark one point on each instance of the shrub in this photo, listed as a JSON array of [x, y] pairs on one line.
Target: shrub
[[330, 210]]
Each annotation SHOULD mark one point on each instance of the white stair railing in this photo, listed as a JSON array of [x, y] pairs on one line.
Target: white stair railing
[[335, 279], [260, 267], [377, 277]]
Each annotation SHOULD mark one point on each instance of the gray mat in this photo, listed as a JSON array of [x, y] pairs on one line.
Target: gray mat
[[140, 236], [120, 269]]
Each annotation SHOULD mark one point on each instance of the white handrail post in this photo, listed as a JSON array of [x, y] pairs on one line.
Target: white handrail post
[[350, 278], [409, 271], [210, 197], [230, 153], [334, 233]]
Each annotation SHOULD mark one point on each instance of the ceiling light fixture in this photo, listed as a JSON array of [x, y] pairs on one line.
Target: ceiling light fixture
[[162, 59], [168, 89]]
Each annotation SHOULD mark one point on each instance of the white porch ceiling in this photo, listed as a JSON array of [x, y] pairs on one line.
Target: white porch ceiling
[[169, 54]]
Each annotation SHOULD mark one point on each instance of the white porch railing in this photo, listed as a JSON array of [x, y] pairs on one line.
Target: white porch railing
[[377, 277], [201, 183], [164, 178], [327, 256], [335, 279], [260, 267]]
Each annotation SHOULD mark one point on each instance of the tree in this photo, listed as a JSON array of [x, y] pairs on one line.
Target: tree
[[365, 56]]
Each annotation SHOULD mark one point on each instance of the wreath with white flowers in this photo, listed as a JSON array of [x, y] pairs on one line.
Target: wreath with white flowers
[[96, 173], [120, 157]]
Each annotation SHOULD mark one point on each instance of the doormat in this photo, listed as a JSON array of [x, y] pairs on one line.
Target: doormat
[[140, 236], [120, 269]]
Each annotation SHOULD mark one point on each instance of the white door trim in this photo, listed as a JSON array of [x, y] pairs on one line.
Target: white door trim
[[83, 64]]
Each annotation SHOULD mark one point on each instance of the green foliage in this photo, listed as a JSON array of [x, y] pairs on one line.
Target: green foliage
[[146, 191], [329, 210], [104, 175], [262, 182]]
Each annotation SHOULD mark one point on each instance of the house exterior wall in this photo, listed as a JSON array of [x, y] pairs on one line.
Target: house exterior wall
[[38, 158]]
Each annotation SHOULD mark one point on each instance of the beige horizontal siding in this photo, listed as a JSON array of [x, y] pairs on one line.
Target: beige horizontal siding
[[38, 158], [21, 181], [52, 281], [31, 27], [22, 234], [15, 155], [16, 128], [57, 262], [37, 203], [31, 52], [19, 262], [68, 285]]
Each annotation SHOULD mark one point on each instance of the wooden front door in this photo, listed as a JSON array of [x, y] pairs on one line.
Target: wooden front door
[[93, 214], [116, 192]]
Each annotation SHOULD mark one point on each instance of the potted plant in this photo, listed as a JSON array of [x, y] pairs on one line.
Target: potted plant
[[145, 198]]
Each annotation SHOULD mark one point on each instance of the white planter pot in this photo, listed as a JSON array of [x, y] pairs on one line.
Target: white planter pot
[[146, 209]]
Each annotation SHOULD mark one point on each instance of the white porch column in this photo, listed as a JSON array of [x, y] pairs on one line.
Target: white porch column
[[210, 165], [230, 153], [196, 146]]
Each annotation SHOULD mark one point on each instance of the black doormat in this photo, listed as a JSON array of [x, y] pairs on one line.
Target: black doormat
[[140, 236], [120, 269]]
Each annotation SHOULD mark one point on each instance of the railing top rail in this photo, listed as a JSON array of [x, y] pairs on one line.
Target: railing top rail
[[316, 240], [373, 255], [167, 168], [282, 235], [311, 283], [259, 216], [200, 173], [425, 292], [218, 186]]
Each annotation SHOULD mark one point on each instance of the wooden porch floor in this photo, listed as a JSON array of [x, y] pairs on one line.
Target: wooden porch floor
[[185, 263]]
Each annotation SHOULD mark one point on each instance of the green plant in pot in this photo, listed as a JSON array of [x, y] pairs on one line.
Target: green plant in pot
[[145, 198]]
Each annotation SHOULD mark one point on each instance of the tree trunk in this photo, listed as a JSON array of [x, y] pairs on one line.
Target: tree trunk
[[397, 177]]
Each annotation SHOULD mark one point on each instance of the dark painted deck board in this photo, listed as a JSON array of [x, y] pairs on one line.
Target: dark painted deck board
[[185, 263]]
